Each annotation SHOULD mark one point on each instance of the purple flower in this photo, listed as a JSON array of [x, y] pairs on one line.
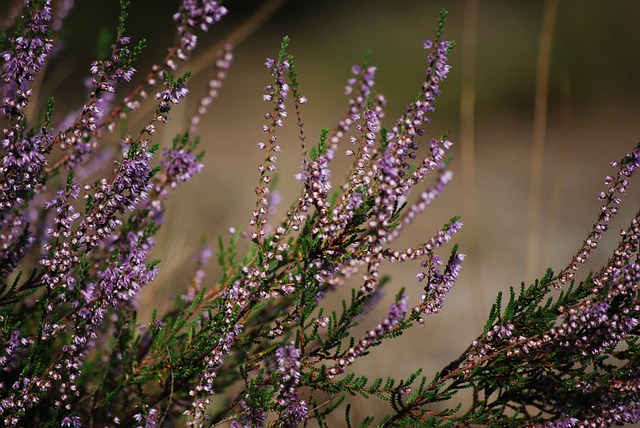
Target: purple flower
[[276, 94], [150, 419], [565, 423], [80, 131], [294, 410], [616, 187], [427, 197], [107, 73], [122, 281], [194, 14], [222, 65], [21, 175], [27, 53], [14, 347], [439, 283], [397, 312], [71, 421], [180, 165], [59, 259], [172, 95], [212, 362], [23, 162], [17, 241], [251, 417]]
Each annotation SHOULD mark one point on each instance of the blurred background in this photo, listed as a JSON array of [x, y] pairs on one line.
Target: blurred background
[[589, 50]]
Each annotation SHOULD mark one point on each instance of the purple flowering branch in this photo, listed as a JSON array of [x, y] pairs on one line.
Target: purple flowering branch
[[438, 283], [294, 410], [236, 301], [593, 318], [373, 337], [91, 123], [192, 15], [276, 94], [81, 137], [616, 188], [118, 282], [25, 57], [23, 161], [120, 279]]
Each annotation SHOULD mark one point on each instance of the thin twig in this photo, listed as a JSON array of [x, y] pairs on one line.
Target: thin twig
[[561, 168], [538, 137], [467, 155]]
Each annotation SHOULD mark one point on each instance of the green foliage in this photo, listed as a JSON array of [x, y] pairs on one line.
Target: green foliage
[[322, 146], [441, 23]]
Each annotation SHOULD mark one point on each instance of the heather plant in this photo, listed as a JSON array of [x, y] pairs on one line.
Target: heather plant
[[82, 197]]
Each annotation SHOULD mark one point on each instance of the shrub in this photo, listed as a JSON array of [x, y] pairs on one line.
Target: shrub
[[259, 345]]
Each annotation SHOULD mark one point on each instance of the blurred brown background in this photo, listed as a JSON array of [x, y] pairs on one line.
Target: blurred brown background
[[592, 119]]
